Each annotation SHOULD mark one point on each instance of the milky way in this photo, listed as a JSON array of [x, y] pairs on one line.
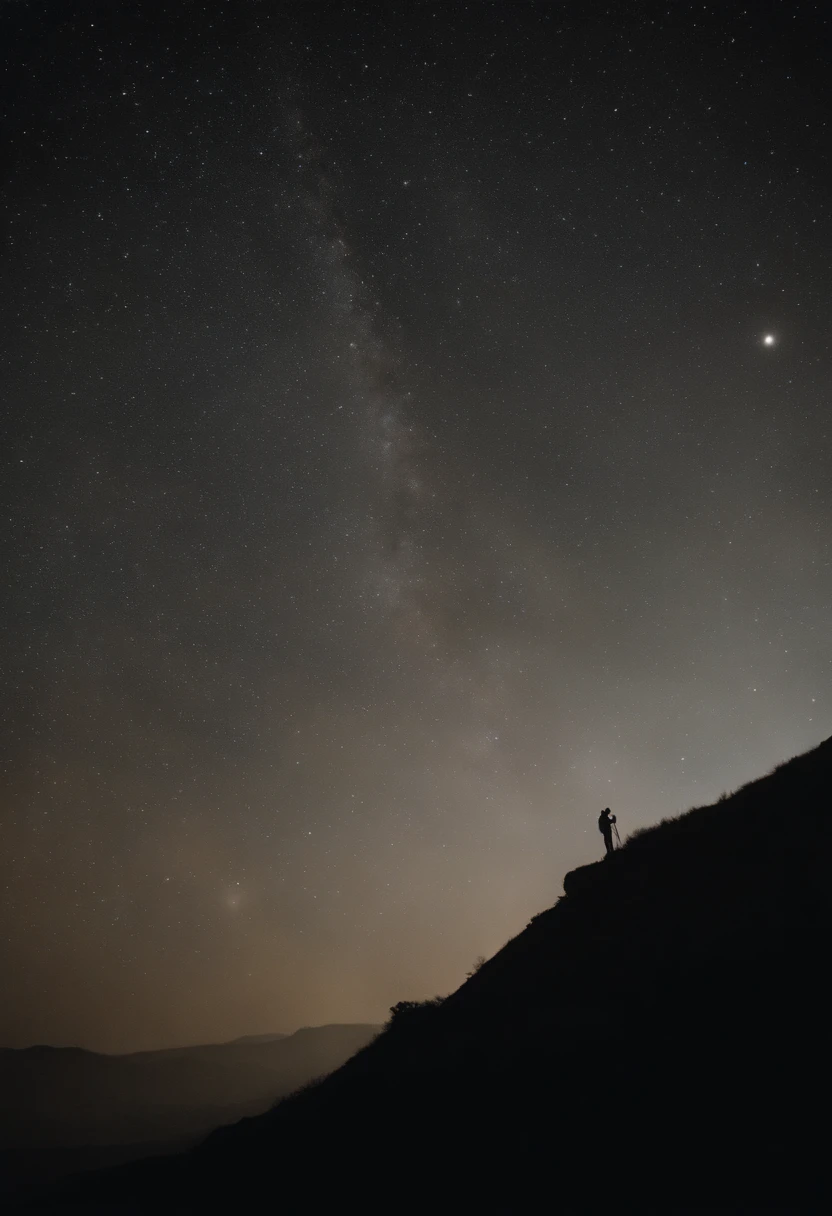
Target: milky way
[[397, 472]]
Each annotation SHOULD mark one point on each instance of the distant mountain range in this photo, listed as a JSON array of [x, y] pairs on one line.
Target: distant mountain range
[[65, 1109]]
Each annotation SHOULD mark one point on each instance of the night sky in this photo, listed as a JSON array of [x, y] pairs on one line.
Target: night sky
[[416, 437]]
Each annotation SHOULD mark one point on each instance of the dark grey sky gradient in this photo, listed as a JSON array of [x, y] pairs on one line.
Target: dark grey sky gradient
[[394, 475]]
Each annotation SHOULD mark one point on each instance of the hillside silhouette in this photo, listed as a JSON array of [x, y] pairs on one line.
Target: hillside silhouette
[[657, 1040], [63, 1110]]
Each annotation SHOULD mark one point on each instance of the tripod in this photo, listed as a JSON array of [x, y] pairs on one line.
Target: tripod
[[617, 837]]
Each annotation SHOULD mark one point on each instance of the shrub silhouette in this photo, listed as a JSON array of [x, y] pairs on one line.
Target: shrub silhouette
[[408, 1010], [479, 962]]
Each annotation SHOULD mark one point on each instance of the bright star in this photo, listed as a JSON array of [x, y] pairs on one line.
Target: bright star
[[769, 340]]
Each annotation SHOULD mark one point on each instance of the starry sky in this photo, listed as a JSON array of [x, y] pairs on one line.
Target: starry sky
[[416, 437]]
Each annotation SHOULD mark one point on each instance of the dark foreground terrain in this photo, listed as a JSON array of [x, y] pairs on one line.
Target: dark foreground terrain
[[63, 1110], [657, 1041]]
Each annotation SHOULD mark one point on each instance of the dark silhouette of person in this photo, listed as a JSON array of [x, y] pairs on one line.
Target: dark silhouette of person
[[605, 822]]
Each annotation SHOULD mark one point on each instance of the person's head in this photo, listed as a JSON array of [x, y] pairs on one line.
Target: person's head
[[606, 810]]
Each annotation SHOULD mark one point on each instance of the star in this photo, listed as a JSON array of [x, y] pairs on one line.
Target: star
[[769, 340]]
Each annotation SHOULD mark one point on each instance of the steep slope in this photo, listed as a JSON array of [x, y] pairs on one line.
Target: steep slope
[[658, 1039]]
